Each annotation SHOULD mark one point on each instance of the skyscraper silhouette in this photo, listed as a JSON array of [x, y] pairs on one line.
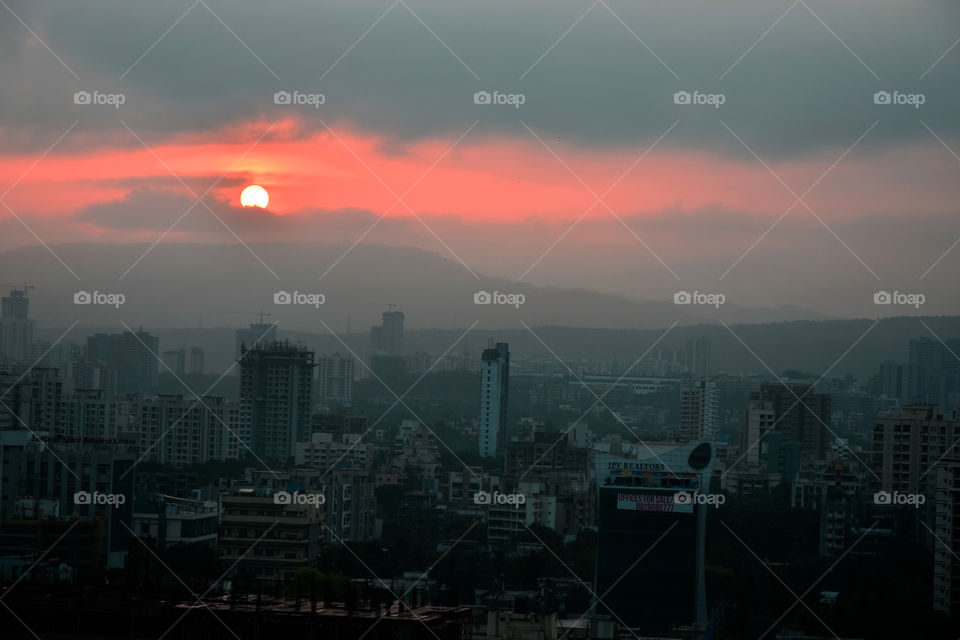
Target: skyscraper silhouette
[[494, 385], [16, 327]]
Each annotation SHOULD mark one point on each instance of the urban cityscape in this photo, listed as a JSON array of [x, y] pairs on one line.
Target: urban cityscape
[[412, 320]]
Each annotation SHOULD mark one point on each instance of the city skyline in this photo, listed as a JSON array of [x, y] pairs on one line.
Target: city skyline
[[419, 319]]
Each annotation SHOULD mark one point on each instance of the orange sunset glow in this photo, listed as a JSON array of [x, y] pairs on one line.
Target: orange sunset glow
[[488, 320], [481, 178]]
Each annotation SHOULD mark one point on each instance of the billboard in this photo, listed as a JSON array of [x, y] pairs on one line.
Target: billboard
[[652, 502]]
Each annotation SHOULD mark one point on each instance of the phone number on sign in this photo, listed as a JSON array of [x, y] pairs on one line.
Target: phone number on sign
[[645, 506]]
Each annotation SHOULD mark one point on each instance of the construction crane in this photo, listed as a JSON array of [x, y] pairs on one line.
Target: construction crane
[[260, 314]]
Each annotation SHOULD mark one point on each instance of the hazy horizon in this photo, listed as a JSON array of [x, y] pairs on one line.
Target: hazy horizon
[[791, 157]]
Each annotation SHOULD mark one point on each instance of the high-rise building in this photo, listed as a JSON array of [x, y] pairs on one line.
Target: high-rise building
[[654, 592], [335, 379], [946, 527], [16, 327], [43, 401], [699, 411], [30, 400], [494, 385], [325, 452], [16, 394], [92, 375], [179, 430], [276, 390], [56, 355], [174, 361], [924, 352], [758, 420], [802, 416], [891, 383], [197, 361], [907, 443], [131, 356], [933, 372], [388, 337], [559, 470], [258, 333], [89, 415], [698, 357]]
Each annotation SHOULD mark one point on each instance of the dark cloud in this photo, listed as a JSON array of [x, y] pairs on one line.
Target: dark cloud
[[797, 91]]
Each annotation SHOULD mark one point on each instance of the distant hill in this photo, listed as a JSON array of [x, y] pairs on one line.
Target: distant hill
[[183, 293], [195, 285]]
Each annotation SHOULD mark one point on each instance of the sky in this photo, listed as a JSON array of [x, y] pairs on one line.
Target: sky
[[782, 181]]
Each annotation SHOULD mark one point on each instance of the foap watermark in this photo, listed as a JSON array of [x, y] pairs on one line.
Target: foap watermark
[[99, 298], [685, 497], [299, 98], [697, 98], [898, 499], [511, 99], [699, 297], [498, 297], [99, 98], [899, 298], [115, 500], [299, 297], [299, 498], [497, 498], [899, 98]]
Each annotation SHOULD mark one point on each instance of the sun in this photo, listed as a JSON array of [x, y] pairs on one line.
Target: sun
[[255, 196]]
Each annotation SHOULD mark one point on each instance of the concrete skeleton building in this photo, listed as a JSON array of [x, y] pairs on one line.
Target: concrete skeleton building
[[256, 334]]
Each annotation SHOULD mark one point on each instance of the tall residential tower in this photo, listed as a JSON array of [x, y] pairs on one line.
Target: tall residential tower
[[494, 383], [276, 392], [16, 328]]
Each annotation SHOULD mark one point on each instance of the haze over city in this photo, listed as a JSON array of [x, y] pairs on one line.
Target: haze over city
[[597, 180], [479, 320]]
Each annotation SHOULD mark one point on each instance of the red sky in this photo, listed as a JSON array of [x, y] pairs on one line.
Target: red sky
[[480, 178]]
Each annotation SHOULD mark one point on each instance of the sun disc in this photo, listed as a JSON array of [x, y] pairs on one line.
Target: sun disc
[[255, 196]]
